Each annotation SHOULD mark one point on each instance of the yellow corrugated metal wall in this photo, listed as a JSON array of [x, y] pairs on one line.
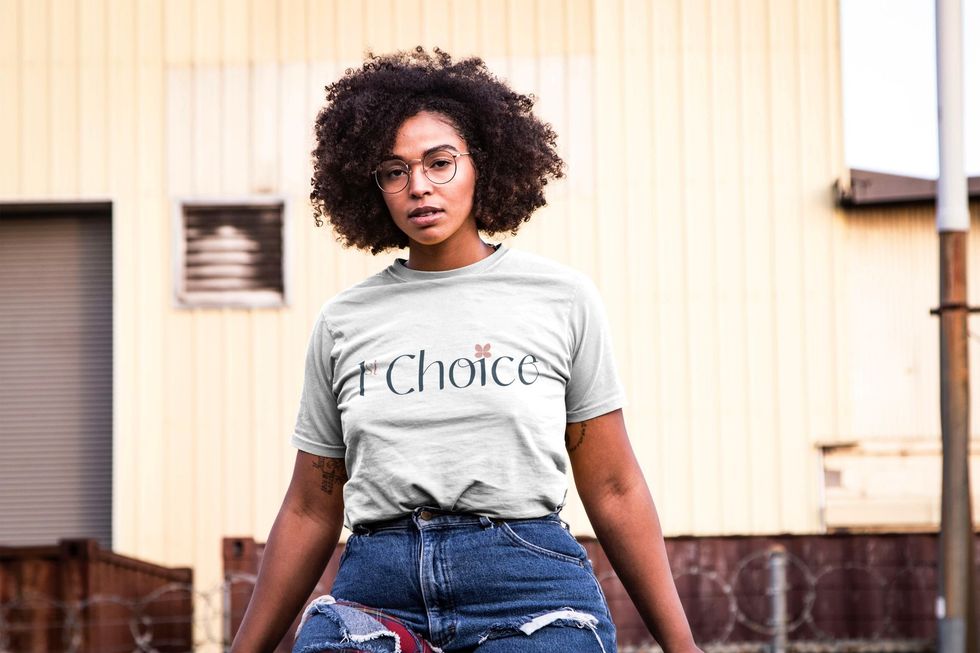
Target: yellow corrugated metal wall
[[892, 260], [722, 275], [701, 137], [887, 462]]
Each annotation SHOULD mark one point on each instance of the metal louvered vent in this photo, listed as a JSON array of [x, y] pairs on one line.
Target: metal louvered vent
[[231, 255]]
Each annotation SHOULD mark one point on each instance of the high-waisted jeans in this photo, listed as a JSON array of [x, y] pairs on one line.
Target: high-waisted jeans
[[463, 582]]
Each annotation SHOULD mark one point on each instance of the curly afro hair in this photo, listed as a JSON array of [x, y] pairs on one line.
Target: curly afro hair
[[512, 150]]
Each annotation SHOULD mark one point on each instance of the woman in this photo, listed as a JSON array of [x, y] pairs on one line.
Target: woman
[[437, 391]]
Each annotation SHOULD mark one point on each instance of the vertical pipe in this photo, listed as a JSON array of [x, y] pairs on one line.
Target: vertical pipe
[[957, 632], [956, 542], [777, 598], [952, 212]]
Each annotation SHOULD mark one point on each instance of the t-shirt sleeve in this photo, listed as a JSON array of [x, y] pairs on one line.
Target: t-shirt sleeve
[[318, 429], [593, 386]]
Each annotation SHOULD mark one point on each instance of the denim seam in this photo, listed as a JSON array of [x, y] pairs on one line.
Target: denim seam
[[534, 548], [601, 594], [346, 552], [386, 529], [449, 598]]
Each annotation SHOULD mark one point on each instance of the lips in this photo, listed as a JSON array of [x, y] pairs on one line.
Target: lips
[[423, 211], [424, 215]]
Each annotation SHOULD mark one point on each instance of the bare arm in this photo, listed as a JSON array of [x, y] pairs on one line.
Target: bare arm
[[300, 544], [625, 520]]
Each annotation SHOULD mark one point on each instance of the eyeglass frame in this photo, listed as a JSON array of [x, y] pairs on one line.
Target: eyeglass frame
[[408, 165]]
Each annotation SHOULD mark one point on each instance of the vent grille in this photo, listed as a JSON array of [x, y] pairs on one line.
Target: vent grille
[[232, 255]]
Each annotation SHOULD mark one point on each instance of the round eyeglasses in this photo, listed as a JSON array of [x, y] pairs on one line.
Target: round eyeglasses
[[439, 167]]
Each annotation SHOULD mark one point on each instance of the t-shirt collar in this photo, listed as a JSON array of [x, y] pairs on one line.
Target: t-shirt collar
[[399, 270]]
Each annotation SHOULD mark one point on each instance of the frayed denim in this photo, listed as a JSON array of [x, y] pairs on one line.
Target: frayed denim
[[462, 582]]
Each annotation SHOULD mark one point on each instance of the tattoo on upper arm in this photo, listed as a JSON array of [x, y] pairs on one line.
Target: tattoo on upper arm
[[578, 443], [332, 472]]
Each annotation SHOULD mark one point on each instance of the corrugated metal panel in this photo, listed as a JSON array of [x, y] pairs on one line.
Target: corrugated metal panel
[[55, 378], [11, 71], [727, 300], [893, 363]]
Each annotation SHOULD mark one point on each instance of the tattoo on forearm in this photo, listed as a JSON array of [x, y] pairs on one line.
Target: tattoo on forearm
[[332, 472], [578, 443]]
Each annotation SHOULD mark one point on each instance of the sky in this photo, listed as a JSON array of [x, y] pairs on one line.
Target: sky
[[888, 55]]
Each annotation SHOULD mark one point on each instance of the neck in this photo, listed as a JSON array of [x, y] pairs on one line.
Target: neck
[[433, 258]]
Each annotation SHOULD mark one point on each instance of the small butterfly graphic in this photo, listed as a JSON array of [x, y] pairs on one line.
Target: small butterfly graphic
[[373, 368], [484, 351]]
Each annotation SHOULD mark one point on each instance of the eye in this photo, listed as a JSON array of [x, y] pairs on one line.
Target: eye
[[439, 160], [393, 172]]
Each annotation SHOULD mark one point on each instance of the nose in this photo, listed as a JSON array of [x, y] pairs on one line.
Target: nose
[[418, 183]]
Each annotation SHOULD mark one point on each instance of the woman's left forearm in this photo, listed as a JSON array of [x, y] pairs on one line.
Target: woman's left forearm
[[628, 528], [615, 495]]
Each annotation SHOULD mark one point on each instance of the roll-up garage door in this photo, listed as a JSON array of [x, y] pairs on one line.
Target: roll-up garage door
[[55, 374]]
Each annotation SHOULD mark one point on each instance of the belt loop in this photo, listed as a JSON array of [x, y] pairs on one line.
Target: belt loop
[[486, 522]]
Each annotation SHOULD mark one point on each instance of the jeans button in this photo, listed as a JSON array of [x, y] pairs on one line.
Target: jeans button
[[425, 515]]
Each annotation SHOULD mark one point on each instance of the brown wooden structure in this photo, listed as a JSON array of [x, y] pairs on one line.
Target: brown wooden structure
[[841, 586], [77, 597]]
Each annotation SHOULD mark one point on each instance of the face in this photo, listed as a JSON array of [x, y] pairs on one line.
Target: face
[[432, 214]]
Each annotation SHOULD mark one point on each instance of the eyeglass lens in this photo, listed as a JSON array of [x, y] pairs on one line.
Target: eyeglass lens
[[439, 167]]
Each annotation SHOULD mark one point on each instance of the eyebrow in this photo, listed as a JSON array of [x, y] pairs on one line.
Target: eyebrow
[[436, 148]]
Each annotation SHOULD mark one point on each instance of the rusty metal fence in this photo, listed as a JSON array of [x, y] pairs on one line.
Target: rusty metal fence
[[838, 592], [789, 589], [813, 594], [76, 596]]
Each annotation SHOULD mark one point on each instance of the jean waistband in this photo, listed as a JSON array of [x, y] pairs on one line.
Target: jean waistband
[[425, 517]]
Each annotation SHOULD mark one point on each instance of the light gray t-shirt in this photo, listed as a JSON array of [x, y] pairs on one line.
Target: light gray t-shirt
[[451, 389]]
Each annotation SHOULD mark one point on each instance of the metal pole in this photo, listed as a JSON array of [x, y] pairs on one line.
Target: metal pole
[[777, 598], [956, 561], [957, 630]]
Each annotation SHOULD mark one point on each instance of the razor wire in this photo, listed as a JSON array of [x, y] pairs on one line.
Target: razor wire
[[146, 618]]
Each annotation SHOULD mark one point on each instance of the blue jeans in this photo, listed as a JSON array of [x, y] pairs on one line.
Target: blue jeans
[[466, 582]]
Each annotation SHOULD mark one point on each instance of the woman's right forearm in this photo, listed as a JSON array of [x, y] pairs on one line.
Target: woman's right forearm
[[300, 544], [298, 549]]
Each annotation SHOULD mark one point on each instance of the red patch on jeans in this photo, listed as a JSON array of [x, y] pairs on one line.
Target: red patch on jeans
[[410, 642]]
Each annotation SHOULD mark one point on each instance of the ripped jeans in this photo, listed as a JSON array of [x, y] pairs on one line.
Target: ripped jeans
[[462, 582]]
